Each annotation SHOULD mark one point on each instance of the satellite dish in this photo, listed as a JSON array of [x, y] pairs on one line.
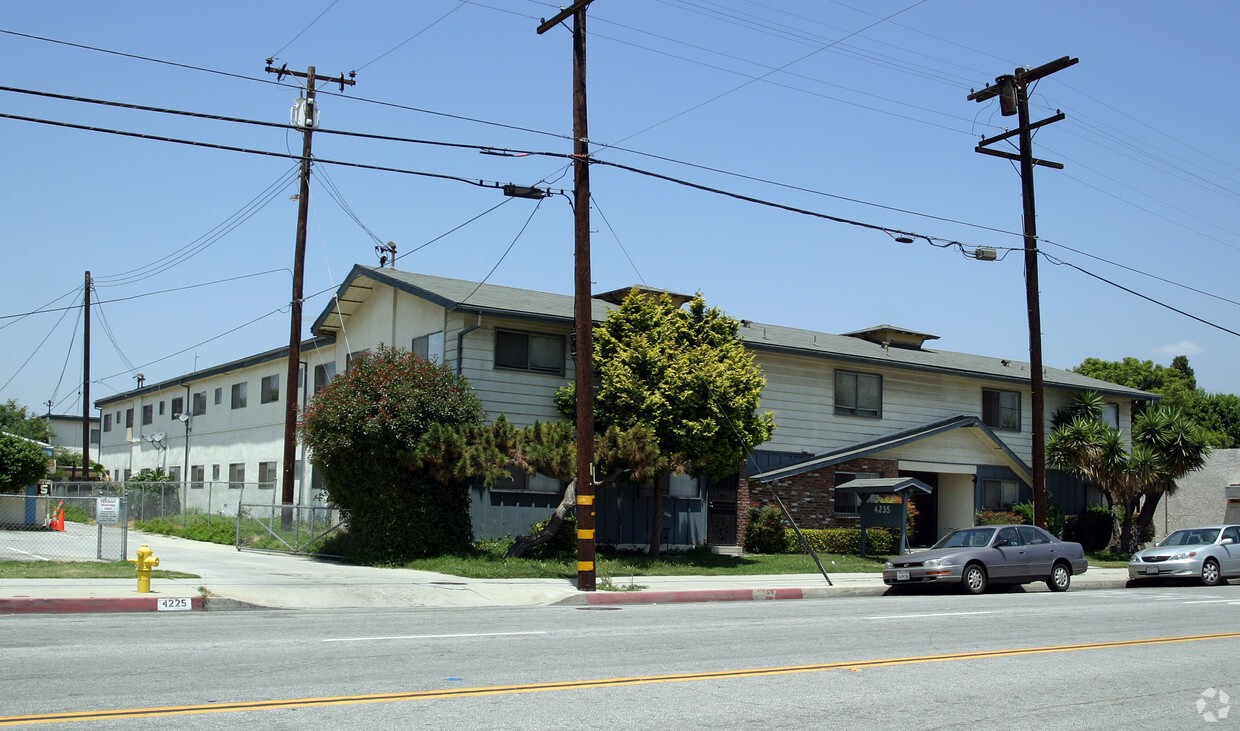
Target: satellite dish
[[183, 416], [158, 436]]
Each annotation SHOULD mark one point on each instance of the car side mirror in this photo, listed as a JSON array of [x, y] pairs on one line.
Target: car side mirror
[[1002, 542], [1226, 542]]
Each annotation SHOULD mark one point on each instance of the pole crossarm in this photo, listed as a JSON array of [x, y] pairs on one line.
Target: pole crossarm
[[283, 71], [1014, 132], [564, 14], [1016, 157]]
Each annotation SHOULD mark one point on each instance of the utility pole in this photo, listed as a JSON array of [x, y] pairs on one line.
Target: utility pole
[[85, 382], [583, 315], [306, 116], [1013, 93]]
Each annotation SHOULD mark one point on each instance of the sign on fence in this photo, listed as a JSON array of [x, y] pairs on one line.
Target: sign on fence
[[108, 511]]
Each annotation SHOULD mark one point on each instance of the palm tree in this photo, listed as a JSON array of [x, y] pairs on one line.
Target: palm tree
[[1165, 446]]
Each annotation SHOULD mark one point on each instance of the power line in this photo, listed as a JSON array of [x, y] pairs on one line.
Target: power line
[[308, 27]]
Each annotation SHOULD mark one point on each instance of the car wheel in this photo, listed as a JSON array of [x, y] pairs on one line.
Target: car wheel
[[973, 580], [1210, 575], [1060, 578]]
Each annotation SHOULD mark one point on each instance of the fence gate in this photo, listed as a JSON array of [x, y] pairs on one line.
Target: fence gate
[[300, 529]]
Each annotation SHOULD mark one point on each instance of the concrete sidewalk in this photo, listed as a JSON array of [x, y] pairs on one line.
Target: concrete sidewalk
[[231, 579]]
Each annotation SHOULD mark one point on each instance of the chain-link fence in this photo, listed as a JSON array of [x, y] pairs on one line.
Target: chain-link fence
[[304, 529], [63, 527]]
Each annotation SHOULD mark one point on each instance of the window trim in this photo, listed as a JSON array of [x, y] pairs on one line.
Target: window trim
[[528, 367], [999, 409], [240, 394], [856, 409], [269, 389]]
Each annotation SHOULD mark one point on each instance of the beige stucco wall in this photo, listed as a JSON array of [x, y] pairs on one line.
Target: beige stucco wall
[[1202, 496]]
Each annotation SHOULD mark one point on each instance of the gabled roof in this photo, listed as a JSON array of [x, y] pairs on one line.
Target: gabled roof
[[1001, 451], [881, 485], [492, 299], [456, 295]]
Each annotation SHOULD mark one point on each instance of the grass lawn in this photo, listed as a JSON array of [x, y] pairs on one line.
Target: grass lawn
[[80, 570], [488, 562]]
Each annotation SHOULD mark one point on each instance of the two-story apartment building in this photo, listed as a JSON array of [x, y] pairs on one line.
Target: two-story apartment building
[[876, 401]]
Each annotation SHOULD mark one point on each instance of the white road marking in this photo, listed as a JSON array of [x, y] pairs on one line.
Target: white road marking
[[924, 616], [428, 637], [27, 553]]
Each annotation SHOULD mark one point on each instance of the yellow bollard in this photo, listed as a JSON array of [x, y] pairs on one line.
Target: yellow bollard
[[145, 562]]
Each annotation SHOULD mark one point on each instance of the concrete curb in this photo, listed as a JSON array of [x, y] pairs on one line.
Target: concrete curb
[[63, 605]]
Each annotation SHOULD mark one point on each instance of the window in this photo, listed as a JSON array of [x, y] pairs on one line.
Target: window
[[107, 422], [429, 346], [999, 494], [128, 418], [175, 473], [178, 407], [215, 472], [94, 436], [161, 408], [858, 394], [199, 404], [267, 475], [1233, 533], [236, 474], [1001, 409], [219, 396], [849, 503], [148, 414], [529, 352], [518, 480], [197, 474], [269, 390], [1031, 536], [1009, 536], [348, 359], [1110, 415], [238, 395], [323, 375]]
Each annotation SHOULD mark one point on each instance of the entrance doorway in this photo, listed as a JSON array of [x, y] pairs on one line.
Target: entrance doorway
[[926, 525], [721, 511]]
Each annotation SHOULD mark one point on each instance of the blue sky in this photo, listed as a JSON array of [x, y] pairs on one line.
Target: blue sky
[[852, 110]]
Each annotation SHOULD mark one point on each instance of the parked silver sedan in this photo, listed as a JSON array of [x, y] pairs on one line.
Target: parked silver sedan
[[999, 554], [1209, 553]]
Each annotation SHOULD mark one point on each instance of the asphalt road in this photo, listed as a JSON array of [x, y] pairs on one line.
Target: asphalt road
[[1134, 658]]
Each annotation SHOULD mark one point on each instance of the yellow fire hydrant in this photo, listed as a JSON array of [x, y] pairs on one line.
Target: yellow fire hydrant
[[145, 562]]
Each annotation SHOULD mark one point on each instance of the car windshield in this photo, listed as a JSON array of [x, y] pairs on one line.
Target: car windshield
[[1191, 537], [968, 538]]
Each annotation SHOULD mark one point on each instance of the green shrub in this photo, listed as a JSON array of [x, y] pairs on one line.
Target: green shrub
[[847, 541], [998, 517], [765, 532], [1092, 528]]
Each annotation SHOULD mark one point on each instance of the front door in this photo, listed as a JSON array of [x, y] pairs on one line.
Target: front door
[[926, 524], [721, 511]]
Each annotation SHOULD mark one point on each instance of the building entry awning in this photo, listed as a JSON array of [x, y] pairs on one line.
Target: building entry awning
[[881, 514]]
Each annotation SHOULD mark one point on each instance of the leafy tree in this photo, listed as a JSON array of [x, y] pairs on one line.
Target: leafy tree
[[1217, 414], [683, 378], [148, 475], [363, 429], [22, 463], [1133, 478], [15, 419]]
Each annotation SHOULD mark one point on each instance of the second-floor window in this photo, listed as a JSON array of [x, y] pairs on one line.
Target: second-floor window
[[1001, 409], [107, 422], [858, 394], [199, 404], [239, 395], [148, 414], [270, 389], [178, 407], [537, 352]]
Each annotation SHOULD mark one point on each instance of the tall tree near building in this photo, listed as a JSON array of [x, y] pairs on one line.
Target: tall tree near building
[[363, 429], [682, 376], [1165, 446], [15, 419], [22, 463]]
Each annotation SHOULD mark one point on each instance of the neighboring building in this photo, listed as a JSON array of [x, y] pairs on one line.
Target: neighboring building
[[67, 432], [1208, 496], [874, 402]]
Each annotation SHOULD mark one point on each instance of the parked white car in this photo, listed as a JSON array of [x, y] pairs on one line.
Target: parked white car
[[1209, 553]]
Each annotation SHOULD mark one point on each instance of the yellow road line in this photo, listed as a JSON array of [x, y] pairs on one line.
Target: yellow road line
[[580, 684]]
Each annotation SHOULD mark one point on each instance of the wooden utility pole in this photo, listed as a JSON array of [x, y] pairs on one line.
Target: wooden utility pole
[[583, 314], [85, 382], [1013, 93], [305, 116]]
